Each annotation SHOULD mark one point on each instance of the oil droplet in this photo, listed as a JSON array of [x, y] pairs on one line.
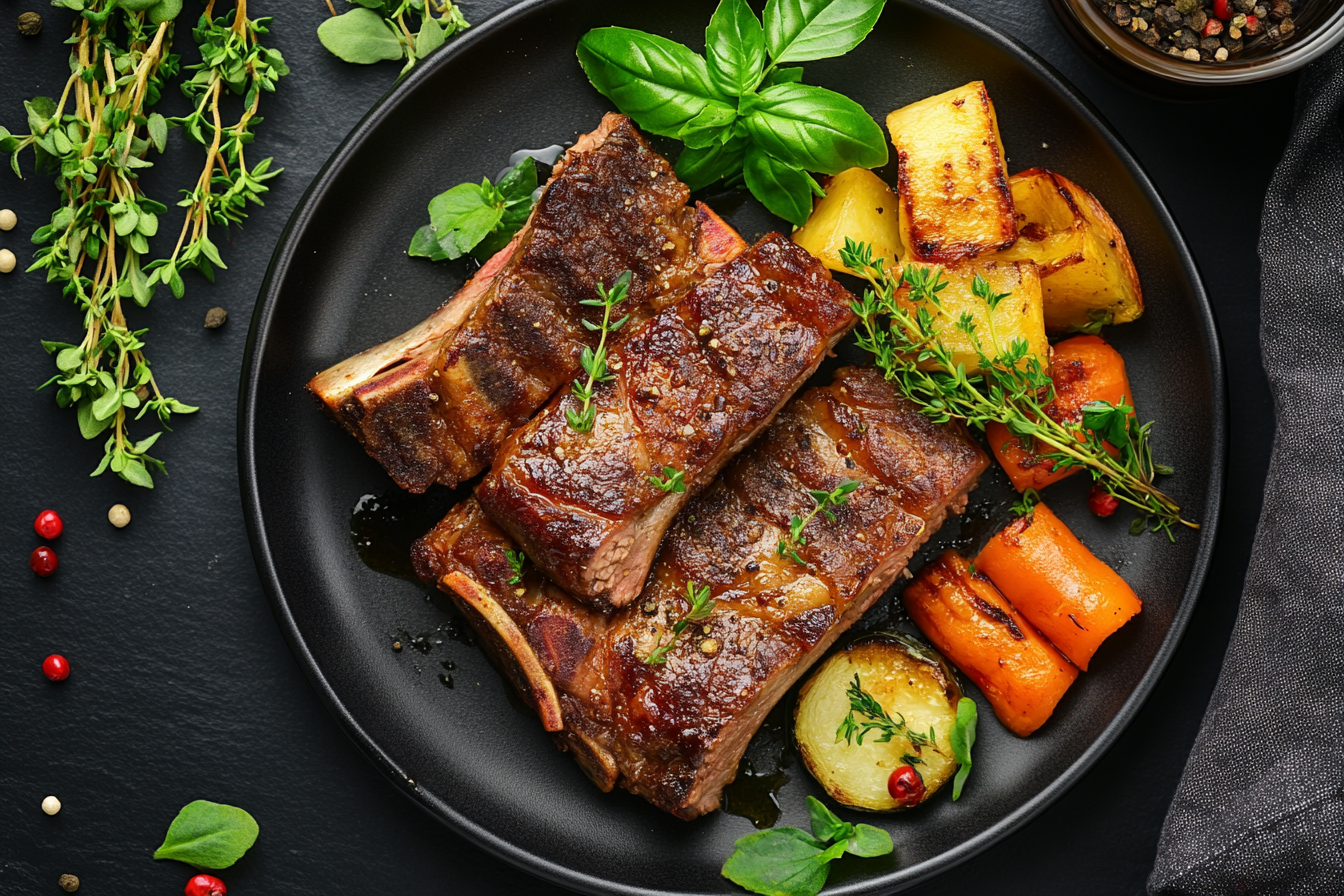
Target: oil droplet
[[754, 793], [384, 526]]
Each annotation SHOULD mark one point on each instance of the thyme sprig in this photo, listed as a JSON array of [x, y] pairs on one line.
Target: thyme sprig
[[517, 559], [700, 608], [1011, 388], [594, 361], [875, 719], [672, 481], [824, 501], [97, 138]]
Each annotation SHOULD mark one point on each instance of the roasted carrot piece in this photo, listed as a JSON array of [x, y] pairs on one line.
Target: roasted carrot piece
[[1084, 369], [975, 627], [1055, 581]]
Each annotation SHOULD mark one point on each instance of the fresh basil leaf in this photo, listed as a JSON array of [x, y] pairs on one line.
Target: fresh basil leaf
[[826, 825], [698, 168], [735, 48], [361, 36], [783, 76], [962, 738], [430, 38], [515, 216], [802, 30], [464, 215], [781, 862], [208, 835], [815, 129], [783, 189], [709, 127], [659, 83], [868, 841], [520, 182]]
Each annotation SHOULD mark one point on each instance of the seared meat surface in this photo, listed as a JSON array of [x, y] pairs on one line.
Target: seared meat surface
[[690, 388], [436, 403], [674, 732]]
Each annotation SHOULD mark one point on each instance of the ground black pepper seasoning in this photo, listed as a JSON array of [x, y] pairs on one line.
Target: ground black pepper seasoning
[[1204, 31]]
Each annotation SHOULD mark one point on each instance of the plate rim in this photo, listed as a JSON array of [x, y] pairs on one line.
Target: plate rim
[[553, 872]]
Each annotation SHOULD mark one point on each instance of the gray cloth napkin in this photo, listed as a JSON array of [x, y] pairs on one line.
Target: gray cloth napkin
[[1260, 807]]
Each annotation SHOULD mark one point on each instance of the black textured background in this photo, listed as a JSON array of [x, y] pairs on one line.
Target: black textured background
[[182, 685]]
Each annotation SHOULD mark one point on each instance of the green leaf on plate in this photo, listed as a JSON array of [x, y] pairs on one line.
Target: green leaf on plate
[[783, 189], [815, 129], [962, 738], [698, 168], [735, 48], [802, 30], [659, 83], [781, 862]]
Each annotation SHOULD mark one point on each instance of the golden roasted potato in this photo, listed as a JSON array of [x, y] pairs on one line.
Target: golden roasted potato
[[915, 688], [1019, 316], [955, 200], [860, 205], [1086, 271]]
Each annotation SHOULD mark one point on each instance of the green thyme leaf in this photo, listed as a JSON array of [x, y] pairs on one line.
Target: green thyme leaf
[[208, 835]]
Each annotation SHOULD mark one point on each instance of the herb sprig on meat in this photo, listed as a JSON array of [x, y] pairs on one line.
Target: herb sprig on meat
[[1012, 389], [741, 110]]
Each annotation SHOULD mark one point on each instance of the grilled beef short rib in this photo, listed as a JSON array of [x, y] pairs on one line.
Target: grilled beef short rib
[[435, 404], [690, 388], [674, 732]]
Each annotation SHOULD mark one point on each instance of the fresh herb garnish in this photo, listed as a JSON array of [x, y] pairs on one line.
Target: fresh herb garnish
[[1024, 505], [962, 738], [208, 835], [671, 481], [516, 560], [375, 30], [477, 218], [98, 138], [787, 861], [700, 609], [738, 112], [795, 539], [876, 719], [1011, 388], [594, 361]]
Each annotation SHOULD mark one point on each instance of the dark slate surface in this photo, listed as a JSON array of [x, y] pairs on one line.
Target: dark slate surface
[[183, 687]]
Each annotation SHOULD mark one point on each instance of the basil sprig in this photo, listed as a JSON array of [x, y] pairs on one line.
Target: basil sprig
[[791, 862], [209, 835], [477, 218], [375, 30], [737, 109]]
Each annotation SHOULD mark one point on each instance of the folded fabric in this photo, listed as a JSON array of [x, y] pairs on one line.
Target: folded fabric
[[1260, 806]]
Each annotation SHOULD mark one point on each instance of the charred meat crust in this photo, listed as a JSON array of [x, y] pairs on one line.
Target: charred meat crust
[[675, 732], [691, 387], [435, 404]]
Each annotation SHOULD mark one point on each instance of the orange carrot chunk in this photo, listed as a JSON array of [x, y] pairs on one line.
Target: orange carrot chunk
[[974, 626], [1045, 571], [1084, 369]]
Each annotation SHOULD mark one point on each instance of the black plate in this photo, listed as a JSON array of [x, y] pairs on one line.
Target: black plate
[[340, 282]]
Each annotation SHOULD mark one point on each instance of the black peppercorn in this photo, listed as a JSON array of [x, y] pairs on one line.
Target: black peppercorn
[[30, 23], [1186, 39], [1149, 37], [1121, 15], [1210, 44], [1233, 46]]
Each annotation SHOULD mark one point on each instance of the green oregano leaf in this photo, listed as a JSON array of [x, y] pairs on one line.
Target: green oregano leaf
[[205, 834]]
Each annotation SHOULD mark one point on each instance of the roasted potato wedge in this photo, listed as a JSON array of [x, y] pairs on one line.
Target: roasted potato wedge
[[953, 186], [912, 682], [1086, 270], [1019, 316], [860, 205]]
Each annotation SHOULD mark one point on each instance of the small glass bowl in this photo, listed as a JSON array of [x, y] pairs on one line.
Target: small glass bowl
[[1319, 27]]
